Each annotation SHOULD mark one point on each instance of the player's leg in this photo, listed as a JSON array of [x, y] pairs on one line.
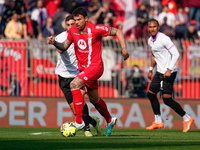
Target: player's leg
[[78, 101], [89, 120], [153, 90], [101, 107], [169, 101], [64, 86]]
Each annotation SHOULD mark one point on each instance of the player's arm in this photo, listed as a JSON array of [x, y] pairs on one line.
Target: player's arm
[[59, 51], [153, 64], [120, 36], [61, 46], [175, 56]]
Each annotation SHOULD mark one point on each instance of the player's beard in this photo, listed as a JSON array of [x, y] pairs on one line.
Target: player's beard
[[81, 28]]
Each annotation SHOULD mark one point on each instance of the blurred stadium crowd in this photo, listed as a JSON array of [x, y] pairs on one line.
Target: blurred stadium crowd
[[25, 19]]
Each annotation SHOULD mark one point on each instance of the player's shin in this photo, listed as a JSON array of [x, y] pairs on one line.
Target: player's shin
[[154, 103], [86, 118], [101, 106], [78, 104]]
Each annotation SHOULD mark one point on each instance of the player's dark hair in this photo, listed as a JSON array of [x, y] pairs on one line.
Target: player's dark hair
[[80, 11], [70, 17], [154, 20]]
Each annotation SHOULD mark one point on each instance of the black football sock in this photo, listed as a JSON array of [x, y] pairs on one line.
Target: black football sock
[[174, 105], [154, 103], [93, 122], [86, 117]]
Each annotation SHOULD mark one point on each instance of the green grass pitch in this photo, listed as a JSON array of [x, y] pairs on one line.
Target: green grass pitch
[[120, 139]]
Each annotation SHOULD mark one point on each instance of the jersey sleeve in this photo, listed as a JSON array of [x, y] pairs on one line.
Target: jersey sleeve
[[102, 30], [167, 42]]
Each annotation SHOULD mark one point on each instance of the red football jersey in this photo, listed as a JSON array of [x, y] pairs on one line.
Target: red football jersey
[[87, 43]]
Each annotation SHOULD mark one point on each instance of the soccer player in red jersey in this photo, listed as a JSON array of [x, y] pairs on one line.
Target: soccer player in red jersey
[[87, 39]]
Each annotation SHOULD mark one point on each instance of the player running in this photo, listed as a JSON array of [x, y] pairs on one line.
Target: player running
[[87, 39], [165, 56], [67, 69]]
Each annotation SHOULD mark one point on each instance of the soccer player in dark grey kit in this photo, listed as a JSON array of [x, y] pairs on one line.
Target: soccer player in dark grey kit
[[165, 56]]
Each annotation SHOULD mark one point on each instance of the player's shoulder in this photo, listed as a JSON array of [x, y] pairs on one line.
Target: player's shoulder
[[163, 37], [101, 27], [61, 37], [73, 29]]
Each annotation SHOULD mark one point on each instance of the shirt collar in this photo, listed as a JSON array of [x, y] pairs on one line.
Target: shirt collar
[[154, 39]]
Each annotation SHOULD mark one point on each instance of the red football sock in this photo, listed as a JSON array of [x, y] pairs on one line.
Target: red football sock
[[78, 105], [103, 110]]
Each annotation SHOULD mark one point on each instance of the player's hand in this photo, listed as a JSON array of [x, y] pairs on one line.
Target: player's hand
[[51, 40], [149, 76], [125, 54], [167, 74]]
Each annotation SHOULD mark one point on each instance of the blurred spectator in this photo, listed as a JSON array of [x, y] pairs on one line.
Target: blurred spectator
[[48, 30], [69, 5], [62, 26], [30, 27], [172, 5], [83, 3], [13, 29], [166, 29], [142, 15], [14, 88], [181, 21], [170, 17], [9, 10], [105, 14], [21, 11], [58, 17], [39, 14], [51, 6], [1, 6], [135, 82], [2, 26], [157, 7], [191, 32], [152, 14], [30, 5], [138, 31], [93, 7], [194, 11]]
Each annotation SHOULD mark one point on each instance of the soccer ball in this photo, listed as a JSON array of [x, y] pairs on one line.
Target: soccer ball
[[68, 129]]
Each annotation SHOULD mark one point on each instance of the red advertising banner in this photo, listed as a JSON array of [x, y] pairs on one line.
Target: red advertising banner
[[13, 64], [43, 60], [191, 61], [52, 112]]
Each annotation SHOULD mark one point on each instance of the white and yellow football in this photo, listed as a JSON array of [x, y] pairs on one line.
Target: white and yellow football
[[68, 129]]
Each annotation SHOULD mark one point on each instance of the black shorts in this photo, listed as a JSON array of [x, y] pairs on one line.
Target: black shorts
[[64, 84], [159, 83]]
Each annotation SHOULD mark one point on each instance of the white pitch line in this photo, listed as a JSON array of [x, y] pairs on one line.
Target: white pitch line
[[39, 133]]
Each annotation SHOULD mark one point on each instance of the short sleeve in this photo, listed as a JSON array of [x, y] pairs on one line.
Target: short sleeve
[[102, 30]]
